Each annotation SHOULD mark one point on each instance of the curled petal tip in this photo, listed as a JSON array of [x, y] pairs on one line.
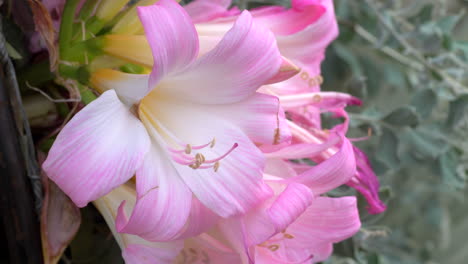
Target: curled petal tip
[[355, 101], [121, 218], [287, 70]]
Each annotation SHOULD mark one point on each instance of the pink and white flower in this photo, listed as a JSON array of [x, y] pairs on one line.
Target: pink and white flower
[[303, 33], [185, 130]]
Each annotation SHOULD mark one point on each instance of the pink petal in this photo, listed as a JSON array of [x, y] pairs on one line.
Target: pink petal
[[98, 150], [135, 250], [206, 249], [200, 220], [267, 220], [289, 205], [161, 253], [260, 117], [287, 22], [366, 182], [234, 69], [326, 221], [207, 10], [261, 224], [236, 186], [304, 150], [322, 100], [331, 173], [158, 186], [171, 36], [279, 168], [306, 41]]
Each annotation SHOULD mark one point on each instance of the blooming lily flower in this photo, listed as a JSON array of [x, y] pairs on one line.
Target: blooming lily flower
[[303, 33], [184, 130]]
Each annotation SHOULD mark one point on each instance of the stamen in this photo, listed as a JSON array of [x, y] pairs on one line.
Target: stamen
[[317, 98], [182, 156], [199, 158], [224, 155], [288, 236], [188, 149], [273, 247], [216, 166]]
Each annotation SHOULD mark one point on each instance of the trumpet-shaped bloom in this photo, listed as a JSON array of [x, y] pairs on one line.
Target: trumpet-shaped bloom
[[184, 130]]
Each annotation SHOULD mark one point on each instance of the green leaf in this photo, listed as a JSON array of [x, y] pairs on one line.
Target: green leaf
[[424, 101], [350, 58], [403, 116], [423, 143], [448, 23], [458, 109], [13, 52], [387, 151], [462, 46], [447, 165], [357, 87]]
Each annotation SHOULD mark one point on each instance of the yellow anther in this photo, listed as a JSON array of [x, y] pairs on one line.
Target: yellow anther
[[288, 236], [273, 247], [195, 165], [216, 166], [213, 142], [199, 158], [188, 149], [304, 75]]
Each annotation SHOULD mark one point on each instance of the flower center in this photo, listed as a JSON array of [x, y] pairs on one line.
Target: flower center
[[183, 153]]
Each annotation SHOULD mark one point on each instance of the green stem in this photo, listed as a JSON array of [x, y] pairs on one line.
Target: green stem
[[66, 28], [87, 9], [87, 95]]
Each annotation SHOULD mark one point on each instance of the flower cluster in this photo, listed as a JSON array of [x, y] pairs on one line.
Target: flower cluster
[[206, 155]]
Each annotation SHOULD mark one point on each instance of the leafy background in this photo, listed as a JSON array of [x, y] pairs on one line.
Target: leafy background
[[408, 61]]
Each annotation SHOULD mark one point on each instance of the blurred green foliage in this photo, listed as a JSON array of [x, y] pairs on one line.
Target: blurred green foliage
[[408, 61]]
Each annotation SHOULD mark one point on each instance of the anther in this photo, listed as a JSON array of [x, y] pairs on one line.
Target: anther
[[216, 166], [320, 79], [304, 75], [288, 236], [213, 142], [312, 82], [317, 98], [199, 158], [188, 149], [273, 247]]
